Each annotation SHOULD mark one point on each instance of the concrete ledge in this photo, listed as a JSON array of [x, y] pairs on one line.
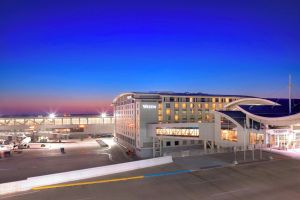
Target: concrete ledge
[[20, 186]]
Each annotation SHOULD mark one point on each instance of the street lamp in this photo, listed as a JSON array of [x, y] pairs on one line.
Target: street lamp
[[52, 115], [103, 114]]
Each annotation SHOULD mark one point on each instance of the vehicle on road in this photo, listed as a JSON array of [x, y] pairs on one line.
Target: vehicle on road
[[24, 144], [5, 151]]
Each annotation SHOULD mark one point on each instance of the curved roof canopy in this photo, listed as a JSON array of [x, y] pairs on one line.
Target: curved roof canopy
[[274, 114], [249, 101]]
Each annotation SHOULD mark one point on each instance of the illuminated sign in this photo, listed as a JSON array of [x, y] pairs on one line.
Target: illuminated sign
[[146, 106]]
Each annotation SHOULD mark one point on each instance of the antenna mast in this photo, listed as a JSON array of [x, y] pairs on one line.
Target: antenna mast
[[290, 94]]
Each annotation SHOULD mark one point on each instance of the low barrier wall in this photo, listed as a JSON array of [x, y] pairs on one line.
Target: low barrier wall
[[24, 185]]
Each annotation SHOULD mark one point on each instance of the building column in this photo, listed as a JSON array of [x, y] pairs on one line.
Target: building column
[[205, 146], [212, 145], [161, 147], [153, 145]]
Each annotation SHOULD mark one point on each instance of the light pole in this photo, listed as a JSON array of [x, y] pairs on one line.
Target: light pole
[[245, 132]]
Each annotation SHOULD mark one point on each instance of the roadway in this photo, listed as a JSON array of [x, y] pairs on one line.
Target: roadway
[[42, 161], [277, 179]]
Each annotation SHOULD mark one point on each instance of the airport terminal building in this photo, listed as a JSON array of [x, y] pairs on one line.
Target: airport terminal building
[[54, 127], [151, 123]]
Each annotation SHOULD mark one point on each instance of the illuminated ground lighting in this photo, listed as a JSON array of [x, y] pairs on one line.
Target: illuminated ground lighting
[[52, 115]]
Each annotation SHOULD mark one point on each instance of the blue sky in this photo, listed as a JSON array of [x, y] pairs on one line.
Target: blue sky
[[75, 56]]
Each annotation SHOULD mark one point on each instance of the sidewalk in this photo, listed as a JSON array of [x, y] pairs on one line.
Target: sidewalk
[[292, 153]]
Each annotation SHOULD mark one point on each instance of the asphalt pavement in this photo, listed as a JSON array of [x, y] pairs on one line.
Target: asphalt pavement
[[269, 180], [43, 161]]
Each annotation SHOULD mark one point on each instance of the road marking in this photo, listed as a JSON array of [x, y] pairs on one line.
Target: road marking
[[112, 180], [87, 183], [168, 173]]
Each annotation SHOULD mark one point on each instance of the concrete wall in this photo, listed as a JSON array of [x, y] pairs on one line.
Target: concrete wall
[[207, 131], [147, 116]]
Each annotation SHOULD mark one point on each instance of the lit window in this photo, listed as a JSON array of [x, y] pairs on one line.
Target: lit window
[[206, 106], [213, 106], [220, 106], [176, 105], [191, 99], [191, 106], [160, 106], [160, 118], [227, 100], [168, 111], [178, 131], [176, 117], [207, 117], [183, 106], [229, 135]]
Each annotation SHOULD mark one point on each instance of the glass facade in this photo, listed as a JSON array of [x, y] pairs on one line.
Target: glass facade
[[229, 135], [177, 131]]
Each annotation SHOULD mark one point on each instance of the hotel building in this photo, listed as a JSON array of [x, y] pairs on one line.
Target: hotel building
[[148, 122], [153, 123]]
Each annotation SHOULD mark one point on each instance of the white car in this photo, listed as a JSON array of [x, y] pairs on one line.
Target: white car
[[4, 150]]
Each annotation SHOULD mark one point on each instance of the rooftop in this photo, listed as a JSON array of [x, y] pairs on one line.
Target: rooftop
[[170, 93]]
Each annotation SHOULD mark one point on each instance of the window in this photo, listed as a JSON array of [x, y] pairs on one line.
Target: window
[[213, 106], [168, 111], [176, 117], [168, 105], [184, 142], [176, 143], [229, 135], [256, 138], [159, 106], [220, 106], [183, 106], [168, 143], [178, 131], [176, 106], [160, 118], [206, 106]]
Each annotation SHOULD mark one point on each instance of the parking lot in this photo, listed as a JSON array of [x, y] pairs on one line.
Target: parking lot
[[47, 160]]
